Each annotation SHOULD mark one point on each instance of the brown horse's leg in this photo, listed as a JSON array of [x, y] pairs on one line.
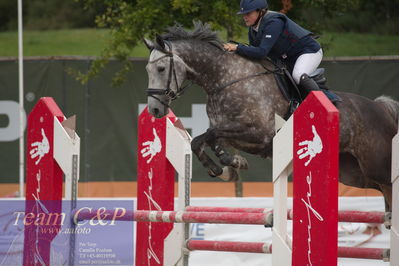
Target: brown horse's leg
[[225, 157], [376, 167], [229, 174], [198, 147], [387, 191], [351, 174], [217, 137]]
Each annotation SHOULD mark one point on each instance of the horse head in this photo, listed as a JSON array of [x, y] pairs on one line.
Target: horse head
[[166, 74]]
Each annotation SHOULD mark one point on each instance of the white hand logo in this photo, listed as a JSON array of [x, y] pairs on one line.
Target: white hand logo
[[40, 148], [152, 147], [312, 147]]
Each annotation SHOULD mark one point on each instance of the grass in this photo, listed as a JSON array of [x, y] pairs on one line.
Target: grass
[[74, 42], [356, 44], [90, 42]]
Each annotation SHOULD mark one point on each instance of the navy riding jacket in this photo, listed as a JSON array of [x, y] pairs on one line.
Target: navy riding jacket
[[278, 37]]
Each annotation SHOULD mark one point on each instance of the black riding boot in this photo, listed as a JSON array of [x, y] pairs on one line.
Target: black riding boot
[[308, 84]]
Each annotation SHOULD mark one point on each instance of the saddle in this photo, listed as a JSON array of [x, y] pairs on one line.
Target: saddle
[[294, 93], [291, 90]]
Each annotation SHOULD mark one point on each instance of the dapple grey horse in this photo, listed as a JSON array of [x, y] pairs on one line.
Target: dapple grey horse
[[243, 98]]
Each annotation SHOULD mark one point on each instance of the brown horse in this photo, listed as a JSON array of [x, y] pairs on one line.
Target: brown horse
[[243, 99]]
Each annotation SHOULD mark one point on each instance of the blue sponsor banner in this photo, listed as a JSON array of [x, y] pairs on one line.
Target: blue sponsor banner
[[197, 231], [37, 231], [11, 232]]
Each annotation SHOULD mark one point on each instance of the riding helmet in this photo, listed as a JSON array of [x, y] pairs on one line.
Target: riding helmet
[[247, 6]]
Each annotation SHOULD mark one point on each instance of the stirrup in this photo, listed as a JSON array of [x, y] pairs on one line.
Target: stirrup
[[293, 105]]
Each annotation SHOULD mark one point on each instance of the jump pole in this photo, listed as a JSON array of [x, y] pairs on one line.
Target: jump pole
[[53, 149], [374, 217]]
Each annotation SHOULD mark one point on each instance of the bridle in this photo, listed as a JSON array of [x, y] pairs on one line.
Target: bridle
[[169, 92]]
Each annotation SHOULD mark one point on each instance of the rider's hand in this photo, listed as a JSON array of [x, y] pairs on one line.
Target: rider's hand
[[231, 47]]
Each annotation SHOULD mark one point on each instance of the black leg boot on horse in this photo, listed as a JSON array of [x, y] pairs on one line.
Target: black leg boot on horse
[[308, 85]]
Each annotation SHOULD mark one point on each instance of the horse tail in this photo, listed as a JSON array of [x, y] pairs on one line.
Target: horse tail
[[391, 106]]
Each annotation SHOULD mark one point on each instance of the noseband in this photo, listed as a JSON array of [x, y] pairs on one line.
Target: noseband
[[172, 95]]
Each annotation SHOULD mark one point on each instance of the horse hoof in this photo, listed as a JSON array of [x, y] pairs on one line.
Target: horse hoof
[[211, 174], [229, 174], [226, 159], [240, 162], [235, 161], [215, 172]]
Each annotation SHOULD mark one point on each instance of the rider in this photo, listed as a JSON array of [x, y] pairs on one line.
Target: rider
[[275, 35]]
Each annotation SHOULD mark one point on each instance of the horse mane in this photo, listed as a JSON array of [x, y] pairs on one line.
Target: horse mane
[[201, 32]]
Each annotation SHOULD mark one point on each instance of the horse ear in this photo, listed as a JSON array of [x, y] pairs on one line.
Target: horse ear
[[150, 45], [160, 41]]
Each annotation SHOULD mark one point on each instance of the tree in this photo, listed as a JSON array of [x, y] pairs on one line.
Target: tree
[[329, 7], [8, 19], [56, 14], [287, 5], [220, 14], [45, 14], [131, 20]]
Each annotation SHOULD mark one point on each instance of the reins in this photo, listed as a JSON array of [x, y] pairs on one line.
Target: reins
[[172, 95], [267, 71]]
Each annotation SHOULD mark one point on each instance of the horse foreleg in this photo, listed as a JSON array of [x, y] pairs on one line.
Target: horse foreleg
[[198, 147], [235, 161], [217, 136], [228, 173]]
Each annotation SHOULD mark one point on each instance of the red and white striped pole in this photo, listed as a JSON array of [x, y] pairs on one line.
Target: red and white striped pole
[[374, 217], [229, 246], [266, 248]]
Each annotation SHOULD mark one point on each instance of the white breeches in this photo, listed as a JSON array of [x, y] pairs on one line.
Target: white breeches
[[306, 64]]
